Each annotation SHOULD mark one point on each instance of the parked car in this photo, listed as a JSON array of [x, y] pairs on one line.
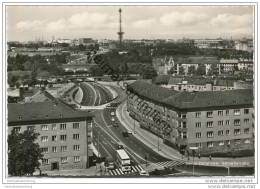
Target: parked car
[[143, 173]]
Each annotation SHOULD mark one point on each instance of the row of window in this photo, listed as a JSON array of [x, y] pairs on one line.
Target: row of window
[[63, 126], [222, 143], [236, 122], [210, 134], [62, 159], [221, 113], [62, 138], [45, 150]]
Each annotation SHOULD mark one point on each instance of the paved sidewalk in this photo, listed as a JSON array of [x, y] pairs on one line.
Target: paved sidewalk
[[145, 136], [151, 141]]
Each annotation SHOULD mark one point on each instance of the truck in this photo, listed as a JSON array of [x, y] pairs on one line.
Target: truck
[[123, 160]]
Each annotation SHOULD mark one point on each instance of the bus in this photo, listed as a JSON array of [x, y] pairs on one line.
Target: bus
[[123, 160]]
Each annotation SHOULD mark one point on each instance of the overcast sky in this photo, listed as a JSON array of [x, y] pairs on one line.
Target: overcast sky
[[149, 22]]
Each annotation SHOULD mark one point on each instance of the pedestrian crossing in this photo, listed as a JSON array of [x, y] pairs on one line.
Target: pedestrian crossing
[[118, 172], [170, 164]]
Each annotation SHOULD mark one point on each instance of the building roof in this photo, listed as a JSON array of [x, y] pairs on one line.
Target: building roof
[[42, 96], [192, 100], [175, 80], [196, 60], [224, 82], [150, 91], [200, 81], [38, 112], [162, 79]]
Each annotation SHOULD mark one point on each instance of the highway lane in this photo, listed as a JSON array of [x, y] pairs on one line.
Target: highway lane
[[131, 141], [104, 143], [111, 135], [94, 94], [89, 94], [102, 96]]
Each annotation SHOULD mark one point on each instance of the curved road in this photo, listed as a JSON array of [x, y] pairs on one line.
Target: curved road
[[94, 94], [106, 136]]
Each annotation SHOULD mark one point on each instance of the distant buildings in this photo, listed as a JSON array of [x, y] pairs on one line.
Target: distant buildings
[[231, 65], [65, 135], [244, 45], [164, 64], [190, 64], [213, 122], [192, 84], [208, 43]]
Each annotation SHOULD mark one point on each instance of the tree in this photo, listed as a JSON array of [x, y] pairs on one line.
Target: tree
[[191, 70], [213, 70], [148, 72], [23, 153], [96, 71], [181, 70], [201, 70]]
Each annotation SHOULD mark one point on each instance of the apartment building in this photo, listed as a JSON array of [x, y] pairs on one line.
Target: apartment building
[[65, 134], [213, 121], [231, 65], [192, 84]]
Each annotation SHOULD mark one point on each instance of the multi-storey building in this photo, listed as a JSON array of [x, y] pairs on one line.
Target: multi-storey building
[[230, 65], [244, 45], [65, 135], [192, 84], [208, 43], [213, 121]]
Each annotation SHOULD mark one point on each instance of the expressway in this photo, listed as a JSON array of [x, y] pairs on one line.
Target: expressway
[[106, 135], [94, 94]]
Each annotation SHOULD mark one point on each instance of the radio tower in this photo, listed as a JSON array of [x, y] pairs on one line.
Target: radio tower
[[120, 33]]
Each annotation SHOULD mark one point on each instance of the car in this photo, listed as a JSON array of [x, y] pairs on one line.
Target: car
[[112, 119], [143, 173], [125, 134], [112, 113], [111, 165], [115, 125], [129, 132]]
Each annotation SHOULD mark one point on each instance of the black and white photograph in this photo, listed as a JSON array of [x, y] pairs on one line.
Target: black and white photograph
[[129, 92]]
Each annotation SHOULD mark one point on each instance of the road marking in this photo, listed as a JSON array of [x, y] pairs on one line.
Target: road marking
[[117, 171], [121, 172], [140, 167]]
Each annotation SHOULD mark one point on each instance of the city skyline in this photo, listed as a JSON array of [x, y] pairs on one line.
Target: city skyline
[[26, 23]]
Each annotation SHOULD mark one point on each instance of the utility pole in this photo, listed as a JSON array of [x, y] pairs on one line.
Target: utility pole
[[98, 145], [193, 153], [134, 127], [158, 140]]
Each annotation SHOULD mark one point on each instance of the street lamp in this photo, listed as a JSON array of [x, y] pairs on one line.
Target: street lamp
[[134, 127], [158, 140], [98, 145], [193, 154]]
